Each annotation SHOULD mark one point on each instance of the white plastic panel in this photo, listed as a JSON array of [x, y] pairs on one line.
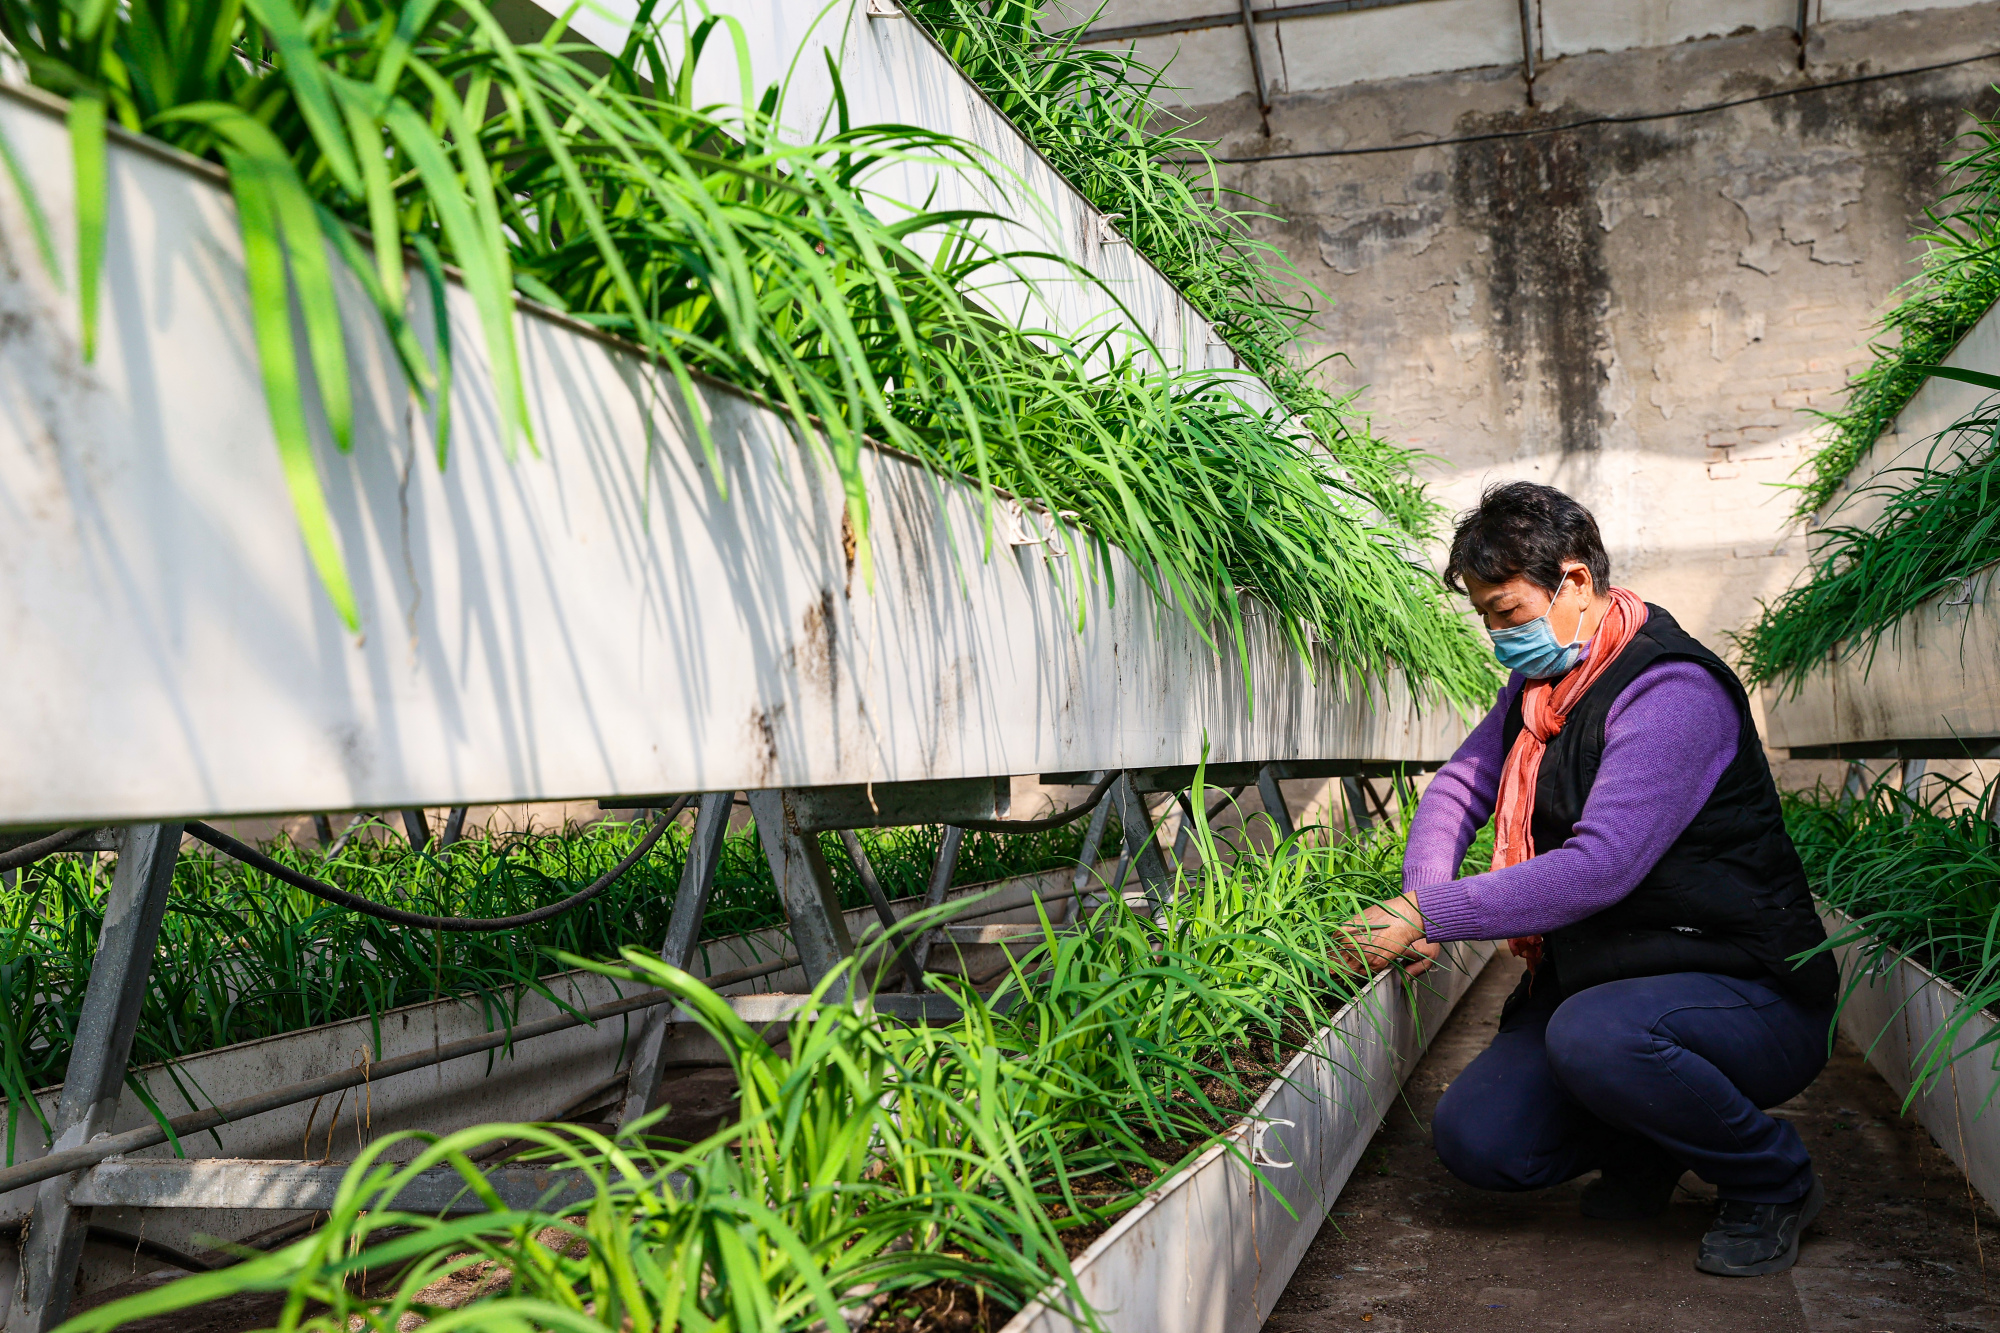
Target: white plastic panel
[[1569, 27], [1437, 36], [1399, 41], [1827, 11], [600, 620], [1935, 676]]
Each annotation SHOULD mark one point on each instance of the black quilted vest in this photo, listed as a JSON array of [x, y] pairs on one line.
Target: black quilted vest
[[1729, 896]]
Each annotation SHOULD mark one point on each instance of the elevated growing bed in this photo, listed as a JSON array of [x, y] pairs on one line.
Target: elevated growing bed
[[1931, 687], [892, 73], [1909, 437], [599, 621], [1932, 690], [539, 1079], [1895, 1016], [1211, 1249]]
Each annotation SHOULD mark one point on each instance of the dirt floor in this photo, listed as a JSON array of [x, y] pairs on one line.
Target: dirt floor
[[1411, 1248]]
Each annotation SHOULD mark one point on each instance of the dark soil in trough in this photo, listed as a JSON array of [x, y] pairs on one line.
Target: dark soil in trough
[[1410, 1249]]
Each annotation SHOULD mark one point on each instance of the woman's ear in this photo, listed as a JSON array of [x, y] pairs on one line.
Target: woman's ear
[[1579, 574]]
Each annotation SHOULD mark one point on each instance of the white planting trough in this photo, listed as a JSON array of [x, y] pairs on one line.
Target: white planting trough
[[1931, 687], [599, 621], [1916, 430], [1932, 691], [1894, 1016], [1211, 1249]]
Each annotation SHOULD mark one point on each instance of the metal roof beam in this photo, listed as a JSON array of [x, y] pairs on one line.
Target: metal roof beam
[[1315, 9]]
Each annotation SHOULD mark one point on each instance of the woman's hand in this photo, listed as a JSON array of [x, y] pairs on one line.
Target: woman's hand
[[1389, 932]]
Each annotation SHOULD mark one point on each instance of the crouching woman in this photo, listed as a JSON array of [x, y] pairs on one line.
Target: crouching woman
[[1642, 870]]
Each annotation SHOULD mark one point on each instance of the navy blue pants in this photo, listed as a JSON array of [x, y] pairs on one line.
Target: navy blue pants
[[1651, 1069]]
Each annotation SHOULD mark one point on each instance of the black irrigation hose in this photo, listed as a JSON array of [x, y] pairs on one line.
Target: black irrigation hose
[[29, 852], [1068, 816], [255, 859]]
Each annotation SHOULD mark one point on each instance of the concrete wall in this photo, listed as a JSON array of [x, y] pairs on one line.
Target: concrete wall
[[1643, 314]]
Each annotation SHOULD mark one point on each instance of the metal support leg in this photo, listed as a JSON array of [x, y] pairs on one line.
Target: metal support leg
[[1086, 868], [1528, 48], [454, 826], [1856, 785], [1185, 833], [1913, 782], [942, 871], [1262, 88], [1357, 802], [805, 884], [711, 826], [96, 1076], [417, 828], [1274, 803], [1137, 823], [883, 912], [323, 829], [354, 825]]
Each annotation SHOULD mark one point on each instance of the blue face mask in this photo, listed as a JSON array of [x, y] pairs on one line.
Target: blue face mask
[[1532, 650]]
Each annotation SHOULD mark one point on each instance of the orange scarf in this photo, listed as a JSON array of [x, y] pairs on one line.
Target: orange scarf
[[1545, 706]]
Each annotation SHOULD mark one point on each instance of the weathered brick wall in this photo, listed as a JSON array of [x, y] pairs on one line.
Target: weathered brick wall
[[1639, 313]]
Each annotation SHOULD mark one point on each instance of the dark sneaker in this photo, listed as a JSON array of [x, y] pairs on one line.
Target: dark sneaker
[[1631, 1193], [1749, 1239]]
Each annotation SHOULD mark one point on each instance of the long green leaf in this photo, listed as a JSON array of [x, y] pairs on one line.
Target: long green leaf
[[271, 312], [87, 139]]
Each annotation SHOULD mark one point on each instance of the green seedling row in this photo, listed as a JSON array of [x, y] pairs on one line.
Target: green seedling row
[[243, 956], [1919, 875], [1939, 525], [913, 1165]]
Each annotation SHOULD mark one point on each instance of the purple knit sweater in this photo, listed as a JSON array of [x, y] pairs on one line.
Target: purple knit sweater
[[1667, 739]]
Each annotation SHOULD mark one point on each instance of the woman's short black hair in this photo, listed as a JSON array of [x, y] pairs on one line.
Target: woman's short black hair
[[1522, 528]]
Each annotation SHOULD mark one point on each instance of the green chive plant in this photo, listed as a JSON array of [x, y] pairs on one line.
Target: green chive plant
[[1940, 524], [1919, 876], [1095, 115], [869, 1160], [414, 132], [243, 956], [1957, 286]]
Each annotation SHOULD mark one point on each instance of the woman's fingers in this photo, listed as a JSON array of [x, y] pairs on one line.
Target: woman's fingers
[[1420, 955], [1384, 934]]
